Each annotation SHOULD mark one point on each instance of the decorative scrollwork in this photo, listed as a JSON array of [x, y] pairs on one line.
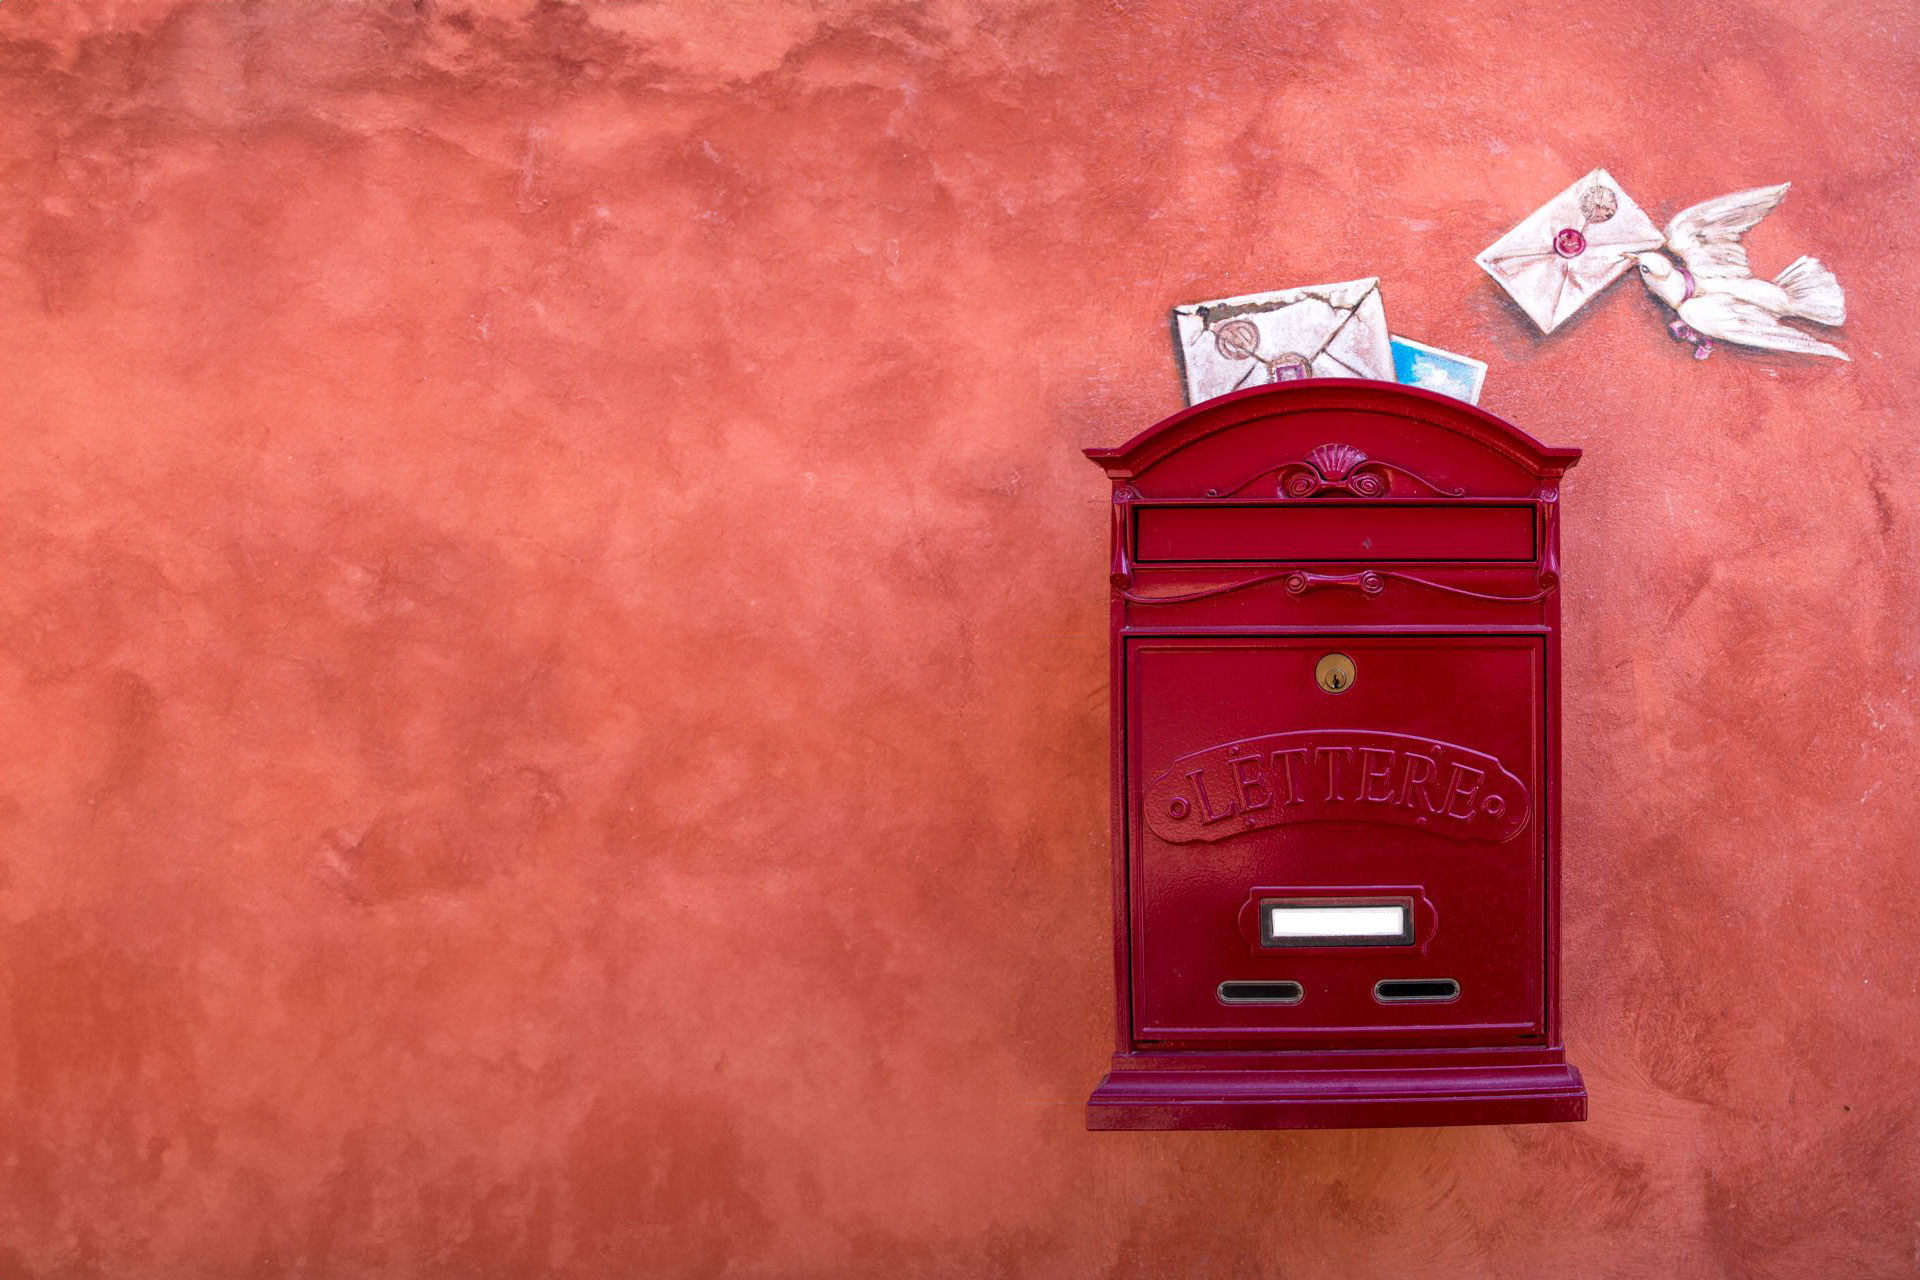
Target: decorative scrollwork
[[1548, 582], [1334, 460], [1336, 466], [1121, 572], [1368, 581], [1205, 593]]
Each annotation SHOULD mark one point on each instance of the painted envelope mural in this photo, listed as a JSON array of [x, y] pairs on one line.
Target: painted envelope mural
[[1565, 252], [1558, 259], [1316, 331]]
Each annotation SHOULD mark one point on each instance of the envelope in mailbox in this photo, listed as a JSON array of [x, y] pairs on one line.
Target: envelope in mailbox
[[1570, 248], [1317, 331]]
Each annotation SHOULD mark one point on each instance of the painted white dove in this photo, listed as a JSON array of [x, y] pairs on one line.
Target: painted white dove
[[1715, 292]]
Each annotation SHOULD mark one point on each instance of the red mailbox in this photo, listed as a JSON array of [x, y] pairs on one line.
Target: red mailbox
[[1336, 723]]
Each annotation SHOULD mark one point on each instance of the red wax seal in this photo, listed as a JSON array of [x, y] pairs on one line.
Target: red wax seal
[[1569, 243], [1289, 366]]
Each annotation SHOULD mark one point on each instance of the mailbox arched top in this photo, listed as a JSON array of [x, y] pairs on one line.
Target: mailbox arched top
[[1441, 424]]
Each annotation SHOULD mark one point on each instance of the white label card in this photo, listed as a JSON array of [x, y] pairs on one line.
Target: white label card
[[1337, 922]]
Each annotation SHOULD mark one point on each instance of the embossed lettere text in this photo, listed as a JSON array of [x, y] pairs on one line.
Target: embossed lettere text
[[1322, 775]]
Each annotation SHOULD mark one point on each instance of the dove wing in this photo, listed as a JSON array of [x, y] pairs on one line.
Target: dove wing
[[1707, 236], [1722, 316]]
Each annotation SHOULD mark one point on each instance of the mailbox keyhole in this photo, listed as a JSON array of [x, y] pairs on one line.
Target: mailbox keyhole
[[1334, 673]]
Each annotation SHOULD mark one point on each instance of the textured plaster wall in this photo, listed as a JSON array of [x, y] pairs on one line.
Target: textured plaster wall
[[552, 630]]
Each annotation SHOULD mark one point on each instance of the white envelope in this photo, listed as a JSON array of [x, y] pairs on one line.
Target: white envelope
[[1570, 248], [1316, 331]]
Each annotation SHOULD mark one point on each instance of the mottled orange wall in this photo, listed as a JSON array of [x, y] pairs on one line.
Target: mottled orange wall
[[553, 655]]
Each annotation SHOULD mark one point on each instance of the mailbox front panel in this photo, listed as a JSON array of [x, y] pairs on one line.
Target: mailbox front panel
[[1414, 781]]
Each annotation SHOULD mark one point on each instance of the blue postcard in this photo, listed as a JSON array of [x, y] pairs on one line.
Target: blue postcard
[[1415, 364]]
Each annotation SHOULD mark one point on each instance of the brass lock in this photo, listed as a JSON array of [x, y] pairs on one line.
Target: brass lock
[[1334, 673]]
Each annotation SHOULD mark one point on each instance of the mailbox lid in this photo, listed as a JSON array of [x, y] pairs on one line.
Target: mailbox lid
[[1249, 781], [1334, 502]]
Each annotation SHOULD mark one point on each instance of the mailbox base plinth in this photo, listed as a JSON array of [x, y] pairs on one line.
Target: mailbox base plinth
[[1337, 1099]]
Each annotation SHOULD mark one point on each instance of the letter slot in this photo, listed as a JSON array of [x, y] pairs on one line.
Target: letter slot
[[1416, 990], [1260, 993]]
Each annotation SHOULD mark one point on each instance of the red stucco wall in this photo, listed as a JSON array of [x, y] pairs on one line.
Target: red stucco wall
[[552, 653]]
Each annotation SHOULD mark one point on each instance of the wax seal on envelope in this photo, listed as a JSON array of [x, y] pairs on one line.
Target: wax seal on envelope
[[1315, 331], [1570, 248]]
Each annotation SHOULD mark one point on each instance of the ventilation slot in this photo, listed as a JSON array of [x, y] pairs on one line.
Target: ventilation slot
[[1416, 990], [1260, 993]]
